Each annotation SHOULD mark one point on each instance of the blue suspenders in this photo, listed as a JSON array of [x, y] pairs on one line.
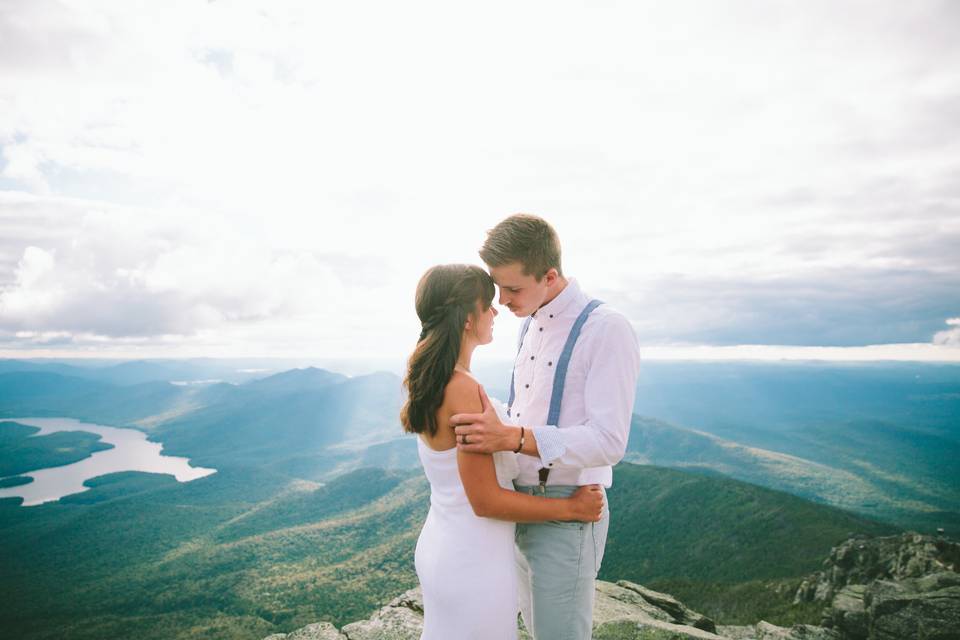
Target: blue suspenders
[[560, 374]]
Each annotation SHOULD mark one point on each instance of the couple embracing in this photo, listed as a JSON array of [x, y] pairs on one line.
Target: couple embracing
[[518, 516]]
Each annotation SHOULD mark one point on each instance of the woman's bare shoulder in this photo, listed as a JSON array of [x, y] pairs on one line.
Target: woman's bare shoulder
[[462, 394]]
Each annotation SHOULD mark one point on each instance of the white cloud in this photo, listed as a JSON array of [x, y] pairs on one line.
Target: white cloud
[[949, 337], [137, 273], [266, 175], [22, 164], [34, 292]]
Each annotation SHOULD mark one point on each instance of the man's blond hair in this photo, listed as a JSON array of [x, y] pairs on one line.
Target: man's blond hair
[[523, 238]]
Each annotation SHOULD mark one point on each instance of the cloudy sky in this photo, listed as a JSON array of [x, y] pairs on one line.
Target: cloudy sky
[[742, 179]]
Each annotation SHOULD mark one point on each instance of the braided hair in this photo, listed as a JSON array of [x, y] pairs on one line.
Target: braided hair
[[446, 295]]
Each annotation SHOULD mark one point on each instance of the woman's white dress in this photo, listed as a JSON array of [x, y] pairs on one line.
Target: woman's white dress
[[465, 563]]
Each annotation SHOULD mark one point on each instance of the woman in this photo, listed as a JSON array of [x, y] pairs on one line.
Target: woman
[[465, 553]]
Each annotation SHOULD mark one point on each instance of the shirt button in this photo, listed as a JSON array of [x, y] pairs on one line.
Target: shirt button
[[526, 386], [550, 364], [531, 357], [541, 328]]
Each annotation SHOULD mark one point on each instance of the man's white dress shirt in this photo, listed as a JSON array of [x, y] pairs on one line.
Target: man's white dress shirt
[[598, 396]]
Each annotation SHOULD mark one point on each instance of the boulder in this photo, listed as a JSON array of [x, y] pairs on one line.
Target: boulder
[[889, 588], [926, 608], [765, 631], [885, 588], [848, 613], [862, 559], [635, 600], [315, 631], [623, 611]]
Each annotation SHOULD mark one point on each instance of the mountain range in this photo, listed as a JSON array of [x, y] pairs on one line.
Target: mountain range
[[317, 502], [894, 456]]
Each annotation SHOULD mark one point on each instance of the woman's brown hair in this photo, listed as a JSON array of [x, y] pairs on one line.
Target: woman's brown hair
[[446, 295]]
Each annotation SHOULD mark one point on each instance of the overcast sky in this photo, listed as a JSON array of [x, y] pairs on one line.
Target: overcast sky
[[272, 178]]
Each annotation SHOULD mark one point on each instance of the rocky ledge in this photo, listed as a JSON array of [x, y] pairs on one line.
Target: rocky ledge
[[903, 587], [889, 588], [623, 611]]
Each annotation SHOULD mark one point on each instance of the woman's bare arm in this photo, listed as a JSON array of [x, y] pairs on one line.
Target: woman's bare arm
[[479, 477]]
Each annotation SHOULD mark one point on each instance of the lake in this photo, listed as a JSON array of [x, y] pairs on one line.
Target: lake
[[132, 452]]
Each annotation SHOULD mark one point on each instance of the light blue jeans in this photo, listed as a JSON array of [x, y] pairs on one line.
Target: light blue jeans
[[557, 565]]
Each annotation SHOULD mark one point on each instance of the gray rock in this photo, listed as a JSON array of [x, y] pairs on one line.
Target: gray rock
[[617, 601], [848, 613], [390, 623], [627, 610], [649, 629], [316, 631], [763, 630], [676, 610], [889, 588], [926, 608], [862, 559], [623, 611], [766, 631], [412, 600], [921, 608], [737, 631]]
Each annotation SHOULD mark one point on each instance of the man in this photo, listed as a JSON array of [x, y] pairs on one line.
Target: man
[[573, 387]]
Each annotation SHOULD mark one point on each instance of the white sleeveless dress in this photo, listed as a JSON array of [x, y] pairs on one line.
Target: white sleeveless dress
[[466, 563]]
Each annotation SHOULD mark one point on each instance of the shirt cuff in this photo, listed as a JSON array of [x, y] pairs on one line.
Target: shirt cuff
[[549, 444]]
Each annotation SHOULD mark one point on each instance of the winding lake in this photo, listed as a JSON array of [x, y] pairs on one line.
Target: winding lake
[[131, 452]]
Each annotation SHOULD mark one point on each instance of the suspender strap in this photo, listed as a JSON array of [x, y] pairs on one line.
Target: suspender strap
[[560, 378], [523, 332], [560, 375]]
